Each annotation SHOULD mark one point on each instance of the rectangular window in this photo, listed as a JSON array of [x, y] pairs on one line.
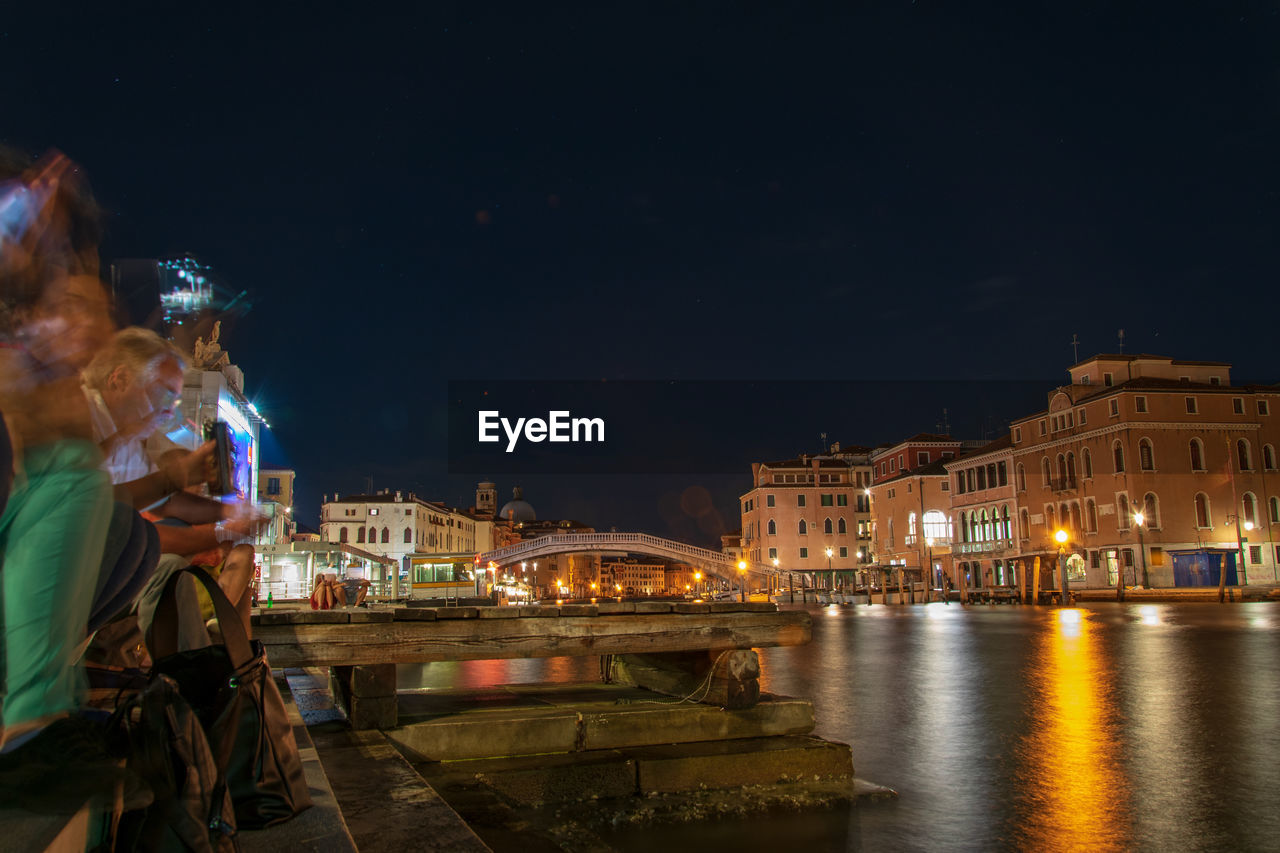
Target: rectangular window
[[1157, 556], [946, 486], [373, 510], [1093, 559], [892, 493], [826, 500], [1108, 379], [1237, 405], [773, 553], [1255, 554], [893, 465], [1139, 404], [1017, 435], [922, 457], [842, 500], [1191, 405], [799, 500], [804, 553], [1215, 380], [1080, 417], [844, 552], [1128, 558], [273, 485], [1115, 408], [902, 461], [1262, 407], [1003, 473], [1044, 428], [768, 500]]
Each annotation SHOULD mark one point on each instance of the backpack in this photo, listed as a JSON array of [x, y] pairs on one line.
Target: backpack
[[166, 746]]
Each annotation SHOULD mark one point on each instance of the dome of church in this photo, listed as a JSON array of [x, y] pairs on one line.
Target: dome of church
[[517, 510]]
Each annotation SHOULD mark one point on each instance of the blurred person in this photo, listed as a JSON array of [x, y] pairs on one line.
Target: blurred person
[[326, 593], [56, 315], [133, 387], [356, 590]]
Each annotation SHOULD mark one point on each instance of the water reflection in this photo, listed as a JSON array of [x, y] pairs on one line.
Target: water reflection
[[1070, 786]]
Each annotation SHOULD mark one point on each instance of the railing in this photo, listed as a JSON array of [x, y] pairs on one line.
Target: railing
[[1062, 484], [912, 539], [984, 547], [719, 562]]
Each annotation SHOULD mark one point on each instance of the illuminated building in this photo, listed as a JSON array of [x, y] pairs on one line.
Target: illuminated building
[[1172, 440], [799, 507]]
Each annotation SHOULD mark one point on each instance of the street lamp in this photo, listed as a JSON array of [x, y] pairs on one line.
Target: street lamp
[[1244, 572], [1140, 519], [1061, 537], [831, 576], [697, 579], [742, 580]]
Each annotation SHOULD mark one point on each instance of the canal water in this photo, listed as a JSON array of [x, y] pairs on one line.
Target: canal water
[[1106, 727]]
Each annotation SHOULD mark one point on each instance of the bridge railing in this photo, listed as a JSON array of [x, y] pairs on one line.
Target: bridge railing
[[621, 541]]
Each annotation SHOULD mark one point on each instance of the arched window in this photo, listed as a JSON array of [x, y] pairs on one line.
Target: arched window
[[1151, 510], [1022, 478], [1122, 512], [1275, 510], [360, 535], [1091, 515], [936, 526], [1088, 464], [1075, 518], [1071, 470], [804, 528], [986, 527], [1250, 508], [911, 524], [1268, 457], [1044, 469], [1203, 518], [826, 526], [1005, 523], [1243, 457], [342, 534], [1025, 525], [773, 528], [841, 527], [1117, 453], [964, 529], [373, 535], [1062, 471], [408, 536], [1197, 455], [1146, 458], [1050, 519], [975, 532], [386, 535]]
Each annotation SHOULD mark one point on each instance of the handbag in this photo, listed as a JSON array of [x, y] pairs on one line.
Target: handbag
[[231, 689]]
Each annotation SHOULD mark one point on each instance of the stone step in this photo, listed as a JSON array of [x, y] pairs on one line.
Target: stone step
[[452, 725], [672, 768]]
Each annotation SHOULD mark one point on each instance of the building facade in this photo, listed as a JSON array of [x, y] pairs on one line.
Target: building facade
[[798, 509], [984, 509], [1141, 458], [395, 525]]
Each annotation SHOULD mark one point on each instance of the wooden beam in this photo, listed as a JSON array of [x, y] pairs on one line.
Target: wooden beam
[[291, 645]]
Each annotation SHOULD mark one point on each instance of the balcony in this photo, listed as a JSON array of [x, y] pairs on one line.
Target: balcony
[[912, 539], [989, 547], [1063, 484]]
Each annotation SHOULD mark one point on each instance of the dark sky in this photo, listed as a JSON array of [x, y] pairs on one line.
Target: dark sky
[[651, 191]]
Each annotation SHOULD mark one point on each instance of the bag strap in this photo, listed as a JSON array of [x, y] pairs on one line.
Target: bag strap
[[164, 625]]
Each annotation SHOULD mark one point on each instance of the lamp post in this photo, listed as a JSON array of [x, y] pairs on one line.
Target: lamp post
[[1240, 543], [1061, 537], [742, 580], [1140, 519], [831, 577], [697, 580]]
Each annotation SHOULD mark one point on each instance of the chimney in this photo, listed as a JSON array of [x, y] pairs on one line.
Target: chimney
[[399, 497]]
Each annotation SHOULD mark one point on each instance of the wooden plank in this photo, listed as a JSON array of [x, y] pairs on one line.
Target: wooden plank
[[415, 614], [457, 612], [483, 639]]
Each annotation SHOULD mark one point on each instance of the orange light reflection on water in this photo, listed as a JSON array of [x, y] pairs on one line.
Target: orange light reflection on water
[[1069, 771]]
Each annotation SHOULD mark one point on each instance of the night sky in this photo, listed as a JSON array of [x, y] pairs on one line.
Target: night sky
[[648, 191]]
